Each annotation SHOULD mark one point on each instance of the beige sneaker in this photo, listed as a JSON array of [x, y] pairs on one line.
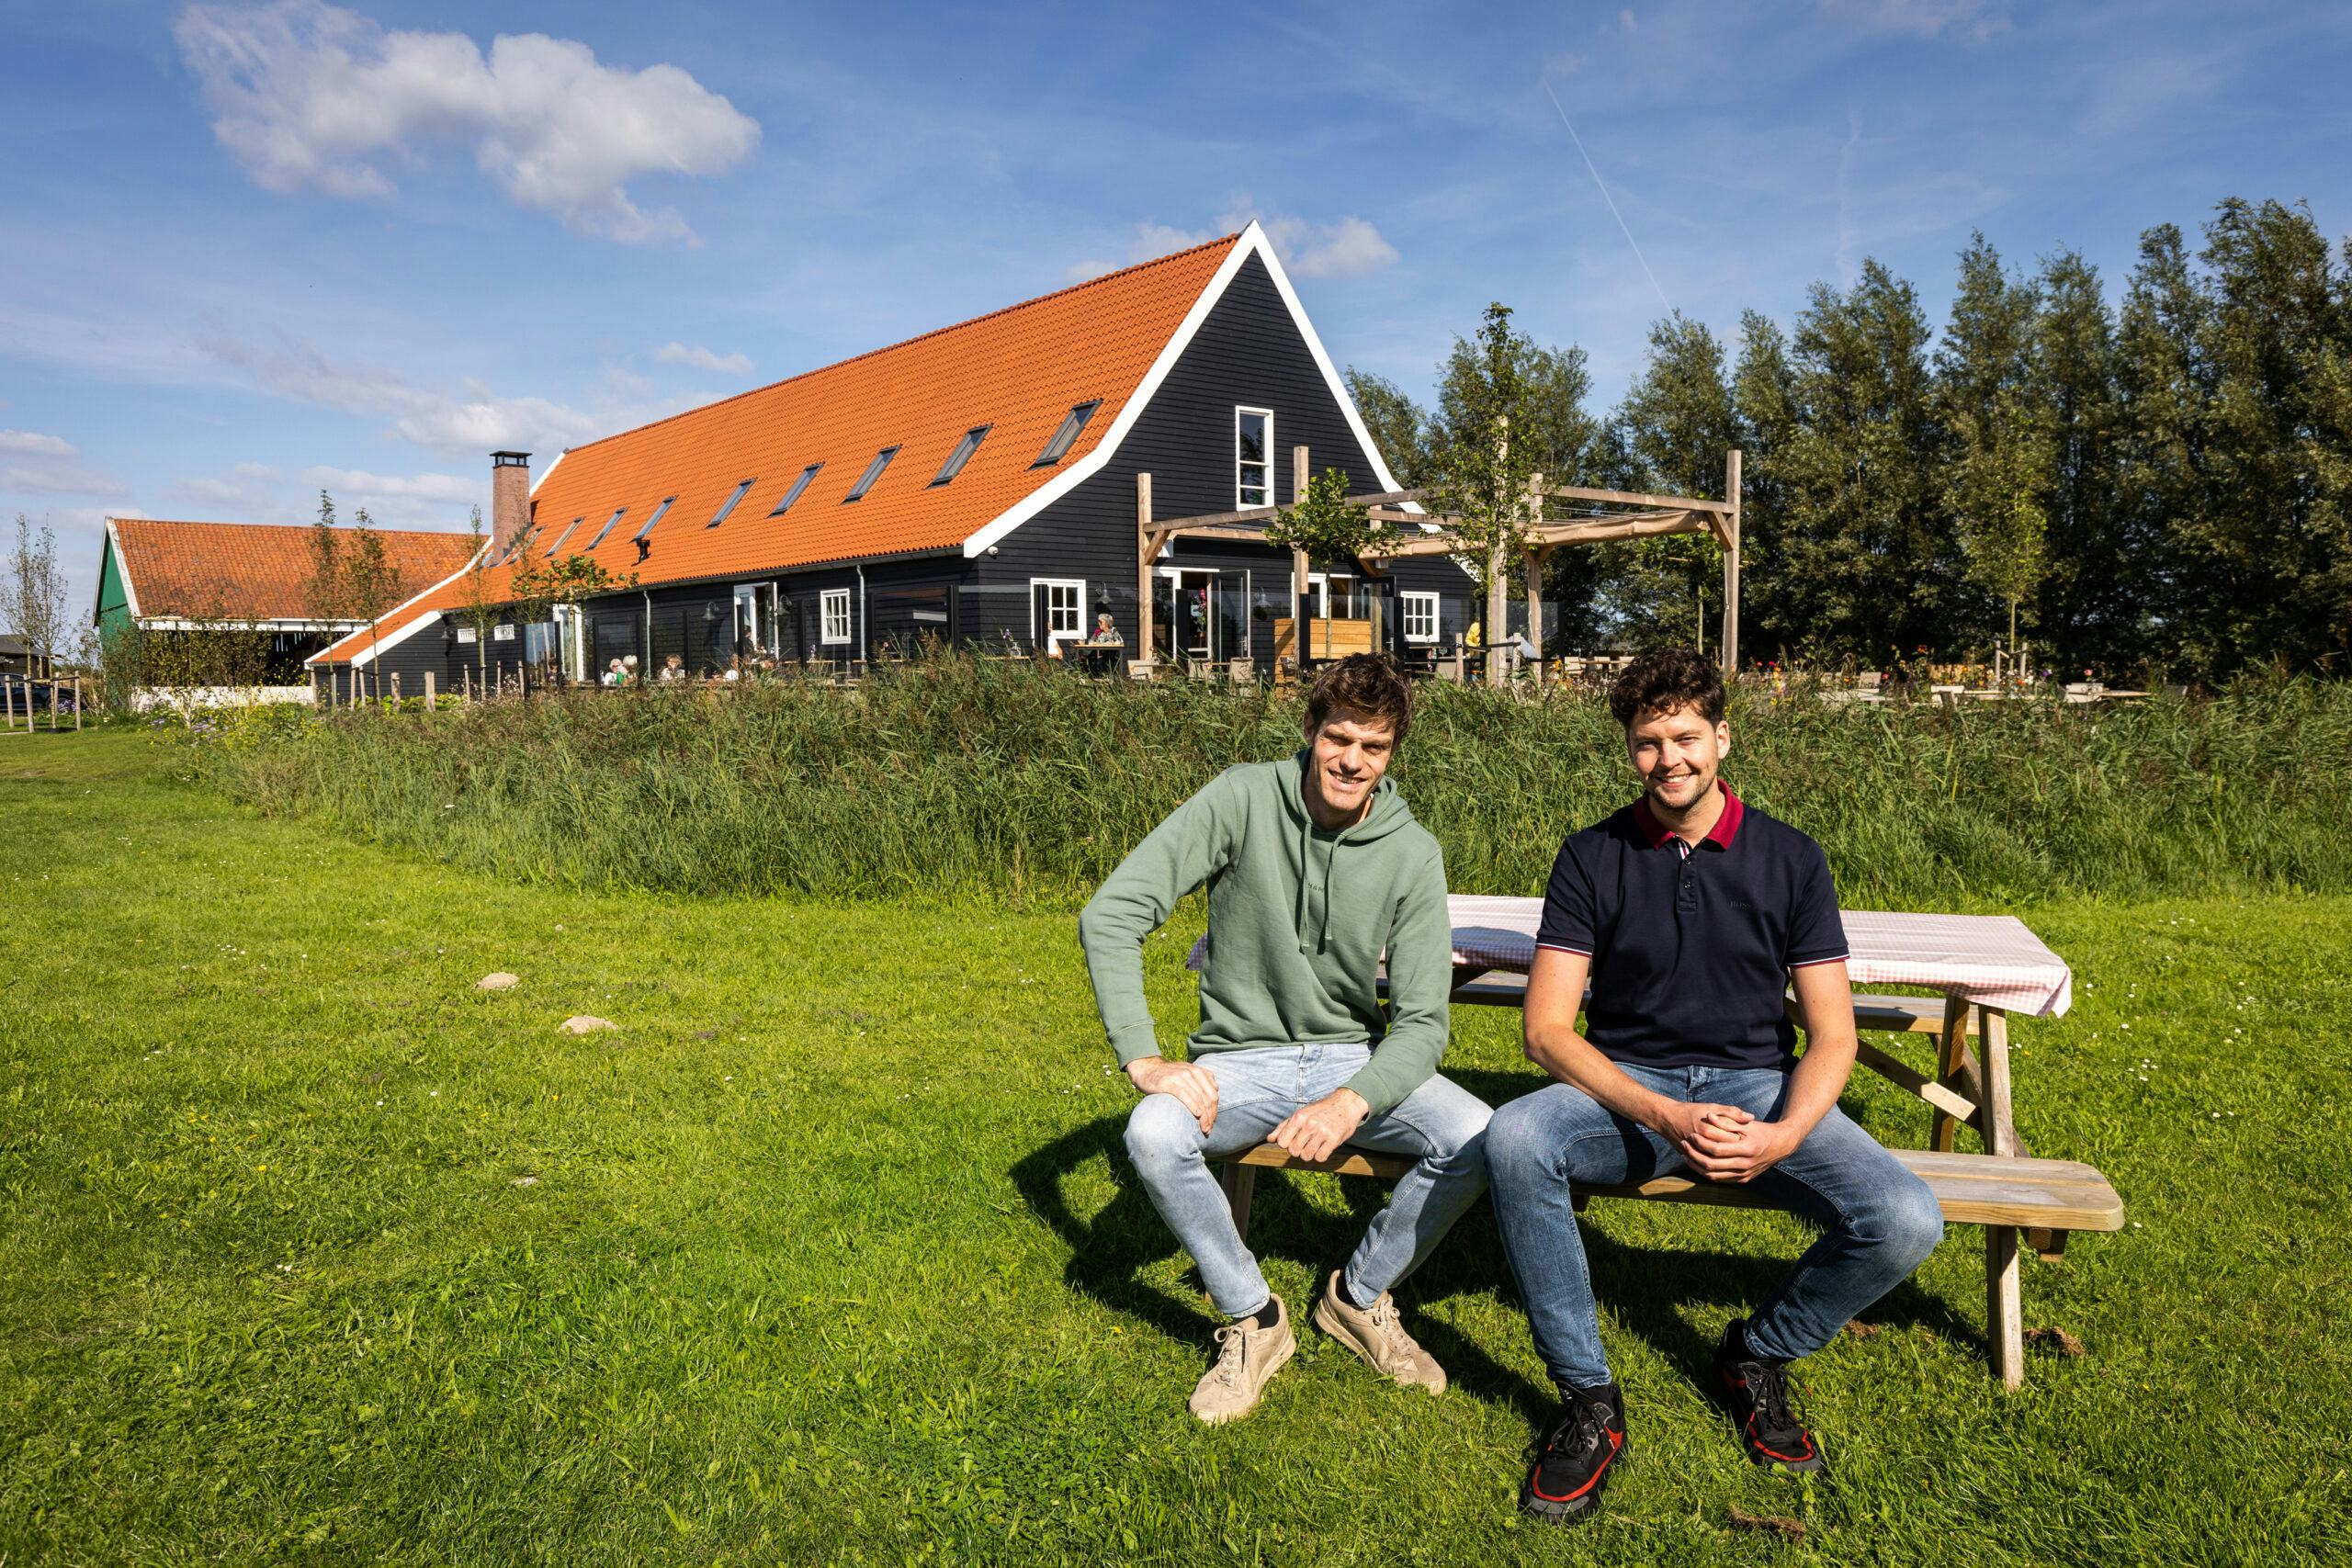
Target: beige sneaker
[[1375, 1334], [1245, 1358]]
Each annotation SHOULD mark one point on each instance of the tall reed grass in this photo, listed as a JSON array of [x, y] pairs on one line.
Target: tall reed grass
[[955, 778]]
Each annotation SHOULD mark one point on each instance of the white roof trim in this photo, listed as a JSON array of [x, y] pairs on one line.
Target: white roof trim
[[122, 569], [393, 639], [1252, 241]]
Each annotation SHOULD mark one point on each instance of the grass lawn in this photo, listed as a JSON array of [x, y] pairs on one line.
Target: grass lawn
[[310, 1252]]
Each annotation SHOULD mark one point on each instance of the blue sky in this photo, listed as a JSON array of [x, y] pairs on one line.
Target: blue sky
[[249, 250]]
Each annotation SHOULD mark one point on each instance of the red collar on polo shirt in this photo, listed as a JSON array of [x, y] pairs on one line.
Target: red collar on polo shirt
[[1726, 826]]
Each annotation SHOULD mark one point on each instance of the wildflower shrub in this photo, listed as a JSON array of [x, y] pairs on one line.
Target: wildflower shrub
[[955, 777]]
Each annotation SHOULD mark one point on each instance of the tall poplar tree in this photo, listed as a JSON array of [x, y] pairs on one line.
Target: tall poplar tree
[[1995, 476], [1672, 430]]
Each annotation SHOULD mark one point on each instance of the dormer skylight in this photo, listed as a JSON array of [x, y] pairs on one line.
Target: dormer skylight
[[638, 537], [1072, 424], [559, 539], [961, 455], [873, 471], [617, 514], [730, 505], [792, 493]]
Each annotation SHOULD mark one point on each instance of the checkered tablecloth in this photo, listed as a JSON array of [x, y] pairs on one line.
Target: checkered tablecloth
[[1992, 960]]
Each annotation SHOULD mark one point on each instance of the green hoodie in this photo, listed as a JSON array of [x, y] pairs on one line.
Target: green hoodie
[[1299, 918]]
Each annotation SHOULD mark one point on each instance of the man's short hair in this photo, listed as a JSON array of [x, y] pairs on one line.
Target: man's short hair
[[1368, 684], [1665, 681]]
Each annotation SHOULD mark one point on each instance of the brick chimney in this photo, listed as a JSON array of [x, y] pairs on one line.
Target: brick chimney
[[509, 498]]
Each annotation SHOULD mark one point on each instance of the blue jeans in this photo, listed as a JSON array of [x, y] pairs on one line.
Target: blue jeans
[[1441, 1125], [1879, 1222]]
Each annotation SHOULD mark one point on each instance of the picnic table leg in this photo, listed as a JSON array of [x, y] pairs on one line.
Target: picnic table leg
[[1944, 1130], [2004, 1309], [1241, 1182]]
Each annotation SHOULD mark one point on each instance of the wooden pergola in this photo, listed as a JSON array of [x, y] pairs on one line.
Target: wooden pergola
[[1593, 517]]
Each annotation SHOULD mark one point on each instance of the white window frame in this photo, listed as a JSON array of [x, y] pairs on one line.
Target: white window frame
[[504, 631], [467, 637], [1078, 631], [832, 603], [1239, 503], [747, 593], [1406, 605]]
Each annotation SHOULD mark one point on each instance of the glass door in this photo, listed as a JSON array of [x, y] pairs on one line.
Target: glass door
[[1187, 607]]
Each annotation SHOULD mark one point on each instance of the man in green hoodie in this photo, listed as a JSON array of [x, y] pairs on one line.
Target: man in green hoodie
[[1315, 871]]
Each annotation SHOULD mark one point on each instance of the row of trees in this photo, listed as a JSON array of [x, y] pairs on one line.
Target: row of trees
[[2163, 483]]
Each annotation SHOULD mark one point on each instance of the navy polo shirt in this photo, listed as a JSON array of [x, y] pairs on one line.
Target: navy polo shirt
[[1692, 946]]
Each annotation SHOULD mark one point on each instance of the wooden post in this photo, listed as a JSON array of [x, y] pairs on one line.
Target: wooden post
[[1302, 619], [1944, 1129], [396, 688], [1535, 559], [1730, 659], [2004, 1311], [1144, 553], [429, 692], [77, 705]]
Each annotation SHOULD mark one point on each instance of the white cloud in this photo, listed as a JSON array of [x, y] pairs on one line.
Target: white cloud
[[441, 500], [307, 94], [701, 358], [477, 421], [50, 465], [246, 490], [1347, 248]]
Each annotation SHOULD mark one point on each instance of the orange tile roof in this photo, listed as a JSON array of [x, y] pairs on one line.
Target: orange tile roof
[[1018, 370], [252, 571]]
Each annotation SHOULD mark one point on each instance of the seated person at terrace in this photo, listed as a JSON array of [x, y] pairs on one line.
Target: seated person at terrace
[[1690, 911], [1315, 868]]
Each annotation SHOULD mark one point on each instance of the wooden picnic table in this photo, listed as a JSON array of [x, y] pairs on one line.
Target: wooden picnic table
[[1987, 968]]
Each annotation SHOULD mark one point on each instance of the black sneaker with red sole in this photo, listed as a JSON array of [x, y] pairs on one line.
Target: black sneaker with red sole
[[1756, 1393], [1588, 1441]]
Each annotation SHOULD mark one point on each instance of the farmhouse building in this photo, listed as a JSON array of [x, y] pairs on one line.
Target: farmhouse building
[[975, 485], [200, 578]]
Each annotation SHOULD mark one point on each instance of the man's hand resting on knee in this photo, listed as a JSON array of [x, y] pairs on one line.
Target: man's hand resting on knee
[[1312, 1132], [1190, 1084]]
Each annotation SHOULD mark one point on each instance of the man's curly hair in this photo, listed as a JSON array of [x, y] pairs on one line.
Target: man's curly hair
[[1665, 681], [1368, 684]]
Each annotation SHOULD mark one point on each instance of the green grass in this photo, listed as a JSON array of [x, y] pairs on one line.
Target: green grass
[[310, 1253], [958, 776]]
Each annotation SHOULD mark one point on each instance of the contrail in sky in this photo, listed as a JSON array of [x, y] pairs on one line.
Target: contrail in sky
[[1605, 197]]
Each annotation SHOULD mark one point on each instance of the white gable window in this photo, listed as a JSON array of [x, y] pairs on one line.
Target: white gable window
[[1421, 616], [835, 608], [1253, 457]]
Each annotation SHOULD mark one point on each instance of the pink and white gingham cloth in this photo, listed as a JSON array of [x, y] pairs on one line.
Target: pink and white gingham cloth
[[1992, 960]]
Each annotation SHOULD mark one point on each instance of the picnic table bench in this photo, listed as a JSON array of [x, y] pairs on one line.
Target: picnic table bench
[[1987, 967]]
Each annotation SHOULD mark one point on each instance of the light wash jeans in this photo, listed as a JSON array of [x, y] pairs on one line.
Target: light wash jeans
[[1440, 1124], [1879, 1222]]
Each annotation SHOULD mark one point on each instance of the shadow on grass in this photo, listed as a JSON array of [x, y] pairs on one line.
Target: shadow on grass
[[1646, 1287]]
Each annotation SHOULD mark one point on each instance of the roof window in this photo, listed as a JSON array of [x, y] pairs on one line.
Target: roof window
[[731, 499], [873, 471], [617, 514], [961, 455], [638, 537], [792, 493], [1072, 424], [559, 539]]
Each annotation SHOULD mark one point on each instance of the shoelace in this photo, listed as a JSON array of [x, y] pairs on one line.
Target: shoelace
[[1232, 1352], [1769, 1387], [1579, 1431]]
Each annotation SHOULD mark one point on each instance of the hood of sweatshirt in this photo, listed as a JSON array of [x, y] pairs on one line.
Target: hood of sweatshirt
[[1387, 814]]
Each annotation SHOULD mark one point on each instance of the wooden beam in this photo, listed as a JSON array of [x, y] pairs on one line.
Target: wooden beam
[[1210, 531], [1729, 662], [1208, 519], [1631, 498], [1146, 548]]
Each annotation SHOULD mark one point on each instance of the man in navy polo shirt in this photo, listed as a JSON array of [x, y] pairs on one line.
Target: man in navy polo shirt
[[1690, 912]]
